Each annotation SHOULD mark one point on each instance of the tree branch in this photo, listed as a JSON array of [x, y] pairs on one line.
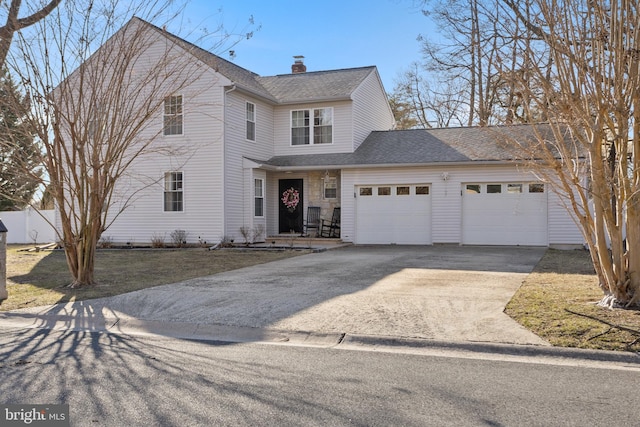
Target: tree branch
[[32, 19]]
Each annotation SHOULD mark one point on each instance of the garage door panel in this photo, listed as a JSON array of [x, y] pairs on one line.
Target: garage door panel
[[399, 219], [504, 218]]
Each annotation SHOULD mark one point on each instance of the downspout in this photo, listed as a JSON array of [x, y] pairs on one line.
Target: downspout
[[224, 157]]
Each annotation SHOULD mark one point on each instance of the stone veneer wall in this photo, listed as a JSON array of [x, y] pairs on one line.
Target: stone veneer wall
[[315, 196]]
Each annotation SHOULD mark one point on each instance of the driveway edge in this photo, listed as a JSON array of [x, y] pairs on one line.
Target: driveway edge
[[343, 341]]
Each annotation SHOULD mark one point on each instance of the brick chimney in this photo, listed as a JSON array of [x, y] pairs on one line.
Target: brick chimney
[[298, 66]]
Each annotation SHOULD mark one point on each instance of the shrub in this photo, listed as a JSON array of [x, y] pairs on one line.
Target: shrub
[[105, 242], [179, 238], [157, 240]]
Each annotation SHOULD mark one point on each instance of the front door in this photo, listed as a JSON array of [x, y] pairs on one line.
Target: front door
[[290, 209]]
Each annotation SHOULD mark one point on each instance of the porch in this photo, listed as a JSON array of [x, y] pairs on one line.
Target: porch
[[315, 188]]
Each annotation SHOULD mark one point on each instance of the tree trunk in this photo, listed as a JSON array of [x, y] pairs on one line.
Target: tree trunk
[[80, 258]]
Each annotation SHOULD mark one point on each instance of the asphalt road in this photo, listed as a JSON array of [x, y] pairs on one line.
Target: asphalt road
[[118, 380]]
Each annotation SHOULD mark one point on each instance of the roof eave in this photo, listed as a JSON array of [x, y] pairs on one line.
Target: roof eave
[[315, 100], [276, 168], [273, 101], [246, 90]]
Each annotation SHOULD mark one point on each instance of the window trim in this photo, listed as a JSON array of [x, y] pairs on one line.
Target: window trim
[[166, 191], [248, 120], [326, 186], [256, 197], [165, 115], [311, 127]]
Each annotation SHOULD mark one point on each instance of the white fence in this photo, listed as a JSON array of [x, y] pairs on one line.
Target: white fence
[[29, 226]]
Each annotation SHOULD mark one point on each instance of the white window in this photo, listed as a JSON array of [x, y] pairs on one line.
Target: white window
[[251, 121], [322, 126], [258, 197], [173, 115], [302, 125], [330, 187], [173, 195]]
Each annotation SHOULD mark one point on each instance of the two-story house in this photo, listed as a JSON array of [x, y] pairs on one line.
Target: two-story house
[[326, 139]]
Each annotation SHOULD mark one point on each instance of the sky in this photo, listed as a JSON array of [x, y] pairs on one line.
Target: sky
[[331, 34]]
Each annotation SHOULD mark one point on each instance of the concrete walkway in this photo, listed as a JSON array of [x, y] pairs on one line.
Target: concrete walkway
[[447, 293]]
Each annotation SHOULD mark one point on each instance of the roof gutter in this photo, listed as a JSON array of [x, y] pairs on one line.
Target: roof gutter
[[231, 89], [274, 168]]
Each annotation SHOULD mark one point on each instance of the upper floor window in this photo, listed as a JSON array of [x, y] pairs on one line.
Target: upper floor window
[[173, 195], [173, 115], [251, 121], [313, 126]]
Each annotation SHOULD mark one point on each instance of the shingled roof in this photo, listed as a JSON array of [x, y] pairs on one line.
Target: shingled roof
[[315, 86], [284, 88], [422, 146]]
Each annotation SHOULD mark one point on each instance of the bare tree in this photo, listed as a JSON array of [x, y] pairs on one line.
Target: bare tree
[[473, 67], [467, 51], [428, 105], [99, 93], [593, 104], [14, 23]]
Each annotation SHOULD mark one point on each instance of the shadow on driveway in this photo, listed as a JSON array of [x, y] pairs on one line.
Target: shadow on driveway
[[436, 292]]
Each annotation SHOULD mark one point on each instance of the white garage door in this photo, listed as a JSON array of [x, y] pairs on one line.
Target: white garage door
[[512, 213], [399, 214]]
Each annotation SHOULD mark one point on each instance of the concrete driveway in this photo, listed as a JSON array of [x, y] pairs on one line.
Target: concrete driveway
[[438, 292]]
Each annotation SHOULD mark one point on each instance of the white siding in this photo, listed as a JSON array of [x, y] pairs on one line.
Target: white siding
[[561, 233], [198, 154], [238, 183], [446, 198], [371, 109], [342, 130]]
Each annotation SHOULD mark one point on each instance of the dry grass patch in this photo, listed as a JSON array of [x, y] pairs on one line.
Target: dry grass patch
[[564, 282], [39, 278]]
